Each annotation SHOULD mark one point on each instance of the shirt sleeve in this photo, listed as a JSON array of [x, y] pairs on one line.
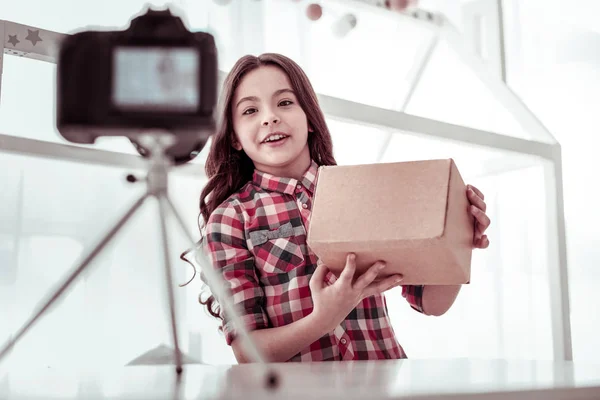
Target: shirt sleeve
[[226, 244], [414, 295]]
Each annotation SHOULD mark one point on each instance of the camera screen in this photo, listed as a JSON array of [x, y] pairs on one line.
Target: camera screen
[[156, 79]]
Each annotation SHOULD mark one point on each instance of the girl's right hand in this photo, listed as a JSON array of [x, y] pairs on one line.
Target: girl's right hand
[[333, 303]]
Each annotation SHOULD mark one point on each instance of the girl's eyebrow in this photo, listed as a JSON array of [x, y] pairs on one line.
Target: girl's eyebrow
[[254, 98]]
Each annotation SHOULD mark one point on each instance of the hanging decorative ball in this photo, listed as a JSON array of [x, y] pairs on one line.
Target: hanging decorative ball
[[400, 5], [314, 12]]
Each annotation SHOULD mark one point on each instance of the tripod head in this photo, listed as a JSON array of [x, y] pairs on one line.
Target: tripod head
[[155, 75]]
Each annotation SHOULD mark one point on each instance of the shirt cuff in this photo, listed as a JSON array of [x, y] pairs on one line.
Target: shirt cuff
[[414, 295], [251, 322]]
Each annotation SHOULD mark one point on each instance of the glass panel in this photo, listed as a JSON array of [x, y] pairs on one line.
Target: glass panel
[[472, 160], [8, 260], [119, 304], [449, 91], [226, 23], [356, 144], [370, 65]]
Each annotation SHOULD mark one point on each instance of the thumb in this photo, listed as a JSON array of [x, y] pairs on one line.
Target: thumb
[[316, 281]]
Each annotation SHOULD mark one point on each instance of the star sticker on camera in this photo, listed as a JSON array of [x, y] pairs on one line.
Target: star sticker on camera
[[12, 39], [34, 36]]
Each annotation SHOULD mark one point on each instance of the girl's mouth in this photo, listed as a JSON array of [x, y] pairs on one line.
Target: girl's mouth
[[276, 138]]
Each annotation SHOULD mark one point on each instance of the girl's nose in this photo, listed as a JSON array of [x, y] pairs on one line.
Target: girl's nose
[[272, 120]]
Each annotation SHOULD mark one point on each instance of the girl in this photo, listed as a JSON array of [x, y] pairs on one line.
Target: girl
[[256, 206]]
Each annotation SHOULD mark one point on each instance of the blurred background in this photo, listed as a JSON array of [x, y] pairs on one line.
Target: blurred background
[[53, 206]]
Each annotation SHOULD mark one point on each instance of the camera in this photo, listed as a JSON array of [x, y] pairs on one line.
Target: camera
[[154, 76]]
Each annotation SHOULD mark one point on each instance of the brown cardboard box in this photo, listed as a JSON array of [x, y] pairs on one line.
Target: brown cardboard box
[[413, 215]]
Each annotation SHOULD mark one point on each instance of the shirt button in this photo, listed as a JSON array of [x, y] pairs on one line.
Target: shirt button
[[299, 186], [305, 205], [343, 341]]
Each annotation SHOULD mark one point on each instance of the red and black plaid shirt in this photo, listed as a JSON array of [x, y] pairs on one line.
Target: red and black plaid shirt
[[257, 239]]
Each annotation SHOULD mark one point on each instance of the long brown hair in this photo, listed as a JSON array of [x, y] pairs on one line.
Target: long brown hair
[[229, 169]]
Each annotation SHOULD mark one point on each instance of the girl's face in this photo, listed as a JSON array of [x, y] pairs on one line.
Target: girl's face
[[269, 124]]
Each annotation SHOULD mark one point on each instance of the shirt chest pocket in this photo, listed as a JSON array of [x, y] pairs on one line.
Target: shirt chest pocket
[[276, 251]]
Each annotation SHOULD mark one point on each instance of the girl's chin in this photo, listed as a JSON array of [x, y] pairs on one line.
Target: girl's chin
[[279, 160]]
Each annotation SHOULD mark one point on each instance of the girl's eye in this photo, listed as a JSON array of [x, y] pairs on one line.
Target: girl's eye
[[282, 103]]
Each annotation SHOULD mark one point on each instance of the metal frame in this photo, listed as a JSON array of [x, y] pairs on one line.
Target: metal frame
[[545, 146], [59, 151]]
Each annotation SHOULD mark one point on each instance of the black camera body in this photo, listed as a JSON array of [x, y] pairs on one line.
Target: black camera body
[[154, 76]]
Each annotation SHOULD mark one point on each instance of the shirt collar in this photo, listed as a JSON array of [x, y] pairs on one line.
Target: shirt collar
[[287, 185]]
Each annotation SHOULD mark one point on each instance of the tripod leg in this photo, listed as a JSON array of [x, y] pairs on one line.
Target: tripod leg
[[217, 286], [169, 277], [87, 258]]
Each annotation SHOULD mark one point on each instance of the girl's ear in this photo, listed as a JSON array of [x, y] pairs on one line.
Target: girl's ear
[[310, 128], [236, 145]]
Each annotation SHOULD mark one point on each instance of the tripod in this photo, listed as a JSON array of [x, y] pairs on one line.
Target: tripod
[[157, 181]]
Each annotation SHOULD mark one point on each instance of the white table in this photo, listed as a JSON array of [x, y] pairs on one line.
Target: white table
[[398, 379]]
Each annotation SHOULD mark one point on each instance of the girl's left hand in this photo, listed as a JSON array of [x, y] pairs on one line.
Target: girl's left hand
[[482, 221]]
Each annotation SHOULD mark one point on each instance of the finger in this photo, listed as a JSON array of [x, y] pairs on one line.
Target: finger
[[476, 233], [485, 242], [477, 191], [476, 200], [347, 274], [382, 286], [482, 243], [483, 221], [316, 281], [368, 277]]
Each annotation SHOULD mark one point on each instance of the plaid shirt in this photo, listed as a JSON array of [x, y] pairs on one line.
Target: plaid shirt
[[257, 239]]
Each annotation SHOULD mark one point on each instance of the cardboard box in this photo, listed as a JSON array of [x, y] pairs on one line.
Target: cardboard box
[[412, 215]]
